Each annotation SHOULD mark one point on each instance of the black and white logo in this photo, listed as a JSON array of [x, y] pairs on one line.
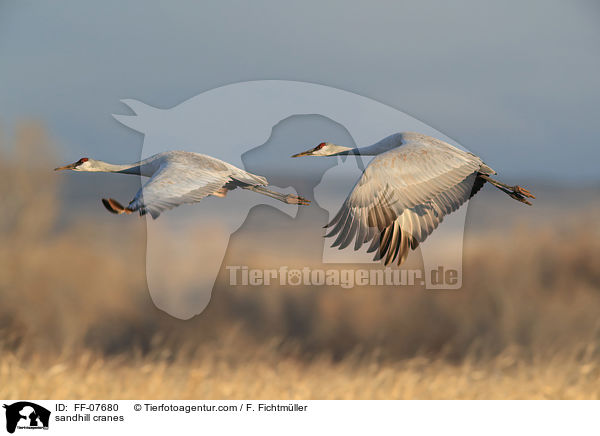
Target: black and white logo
[[26, 415]]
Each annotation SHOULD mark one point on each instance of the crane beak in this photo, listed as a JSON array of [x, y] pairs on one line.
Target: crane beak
[[66, 167], [304, 153]]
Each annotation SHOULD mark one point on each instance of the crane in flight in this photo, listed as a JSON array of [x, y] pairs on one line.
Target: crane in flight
[[405, 192], [179, 177]]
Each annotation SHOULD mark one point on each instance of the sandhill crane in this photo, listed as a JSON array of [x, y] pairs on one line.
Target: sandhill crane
[[179, 177], [405, 192]]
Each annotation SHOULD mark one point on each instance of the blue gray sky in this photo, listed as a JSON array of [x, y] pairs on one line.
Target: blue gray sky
[[517, 83]]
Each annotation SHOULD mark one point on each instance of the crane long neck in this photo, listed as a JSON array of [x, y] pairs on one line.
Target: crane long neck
[[345, 152], [143, 168], [363, 151], [386, 144], [132, 168]]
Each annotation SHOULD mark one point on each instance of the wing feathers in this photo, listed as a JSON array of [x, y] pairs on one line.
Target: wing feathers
[[402, 196], [180, 182]]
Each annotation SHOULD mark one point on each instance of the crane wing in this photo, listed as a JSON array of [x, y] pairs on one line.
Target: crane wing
[[402, 197], [175, 184]]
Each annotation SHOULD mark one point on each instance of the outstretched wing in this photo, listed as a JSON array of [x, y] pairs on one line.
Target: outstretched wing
[[175, 184], [402, 197]]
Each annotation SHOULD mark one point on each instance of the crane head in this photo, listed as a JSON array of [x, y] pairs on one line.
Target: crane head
[[75, 166], [323, 149]]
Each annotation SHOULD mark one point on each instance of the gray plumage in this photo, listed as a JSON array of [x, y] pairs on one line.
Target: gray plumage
[[182, 177]]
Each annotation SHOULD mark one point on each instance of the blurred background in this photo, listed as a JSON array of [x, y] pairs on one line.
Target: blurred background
[[514, 83]]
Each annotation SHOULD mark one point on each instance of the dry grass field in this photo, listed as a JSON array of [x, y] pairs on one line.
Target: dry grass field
[[76, 319]]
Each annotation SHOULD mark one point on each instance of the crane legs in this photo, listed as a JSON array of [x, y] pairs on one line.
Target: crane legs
[[516, 192], [114, 206], [286, 198]]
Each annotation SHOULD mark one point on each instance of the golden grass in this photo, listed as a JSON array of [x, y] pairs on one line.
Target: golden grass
[[76, 320], [271, 376]]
